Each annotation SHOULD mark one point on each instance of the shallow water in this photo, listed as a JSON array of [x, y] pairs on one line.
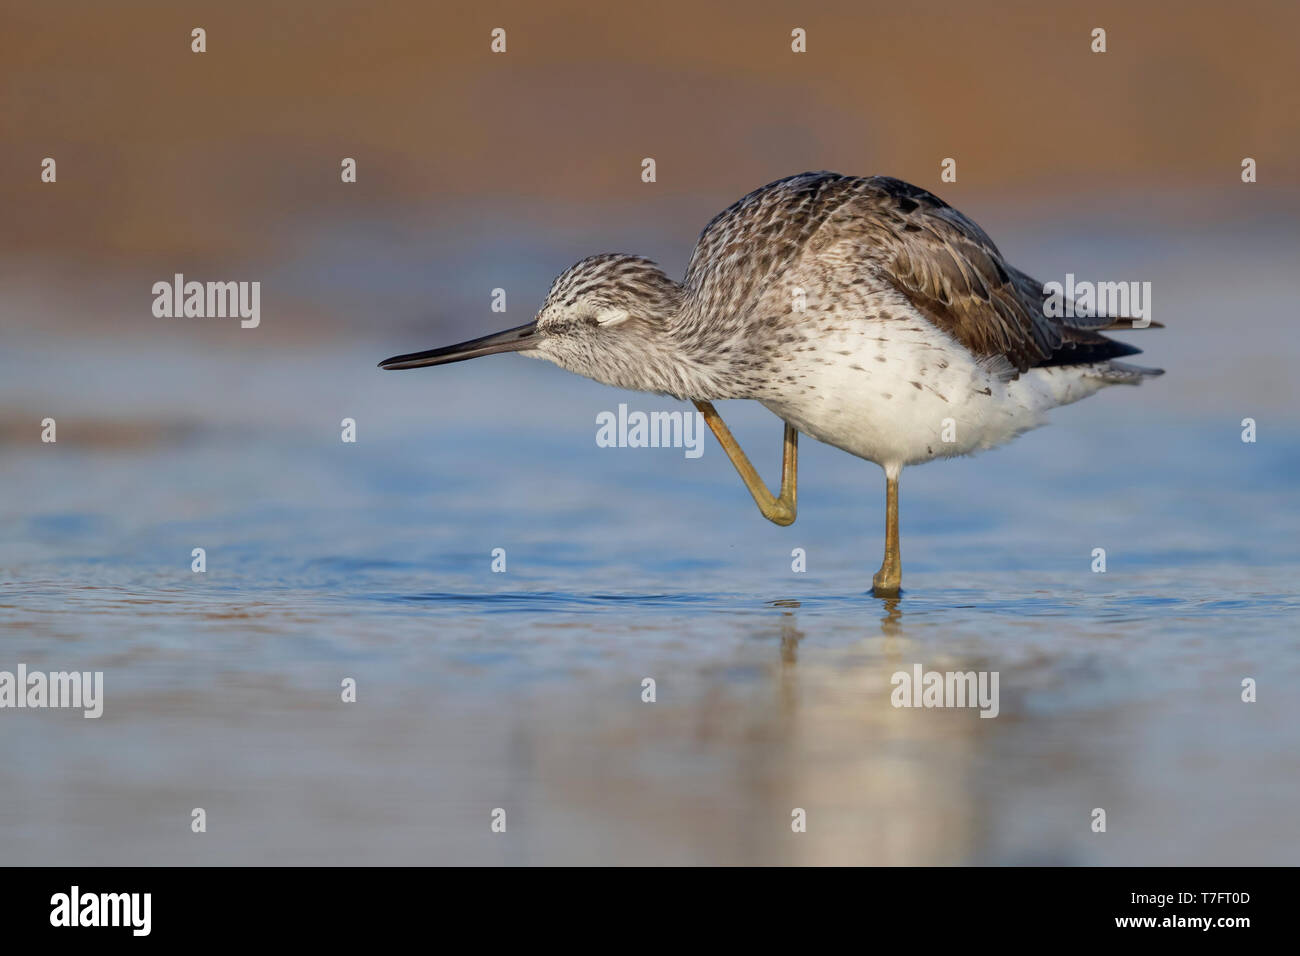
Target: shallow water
[[522, 690]]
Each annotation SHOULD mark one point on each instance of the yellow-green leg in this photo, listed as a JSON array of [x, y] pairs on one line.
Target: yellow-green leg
[[777, 509], [890, 576]]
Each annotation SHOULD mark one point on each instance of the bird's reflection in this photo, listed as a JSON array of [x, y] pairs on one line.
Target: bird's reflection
[[790, 634], [790, 638], [750, 740], [891, 625]]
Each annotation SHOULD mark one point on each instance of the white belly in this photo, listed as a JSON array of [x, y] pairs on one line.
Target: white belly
[[913, 397]]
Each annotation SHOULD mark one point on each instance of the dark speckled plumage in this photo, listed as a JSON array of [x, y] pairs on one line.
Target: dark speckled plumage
[[948, 269]]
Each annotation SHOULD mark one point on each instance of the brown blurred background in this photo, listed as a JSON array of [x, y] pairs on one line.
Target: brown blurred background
[[226, 164]]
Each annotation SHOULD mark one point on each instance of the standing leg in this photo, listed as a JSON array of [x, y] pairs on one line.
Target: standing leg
[[887, 580]]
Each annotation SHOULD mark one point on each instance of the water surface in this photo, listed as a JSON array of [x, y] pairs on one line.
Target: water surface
[[522, 690]]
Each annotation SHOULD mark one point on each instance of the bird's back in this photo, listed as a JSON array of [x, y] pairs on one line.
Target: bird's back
[[760, 236], [845, 232]]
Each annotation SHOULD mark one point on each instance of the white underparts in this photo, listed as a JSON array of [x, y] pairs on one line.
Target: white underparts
[[901, 393]]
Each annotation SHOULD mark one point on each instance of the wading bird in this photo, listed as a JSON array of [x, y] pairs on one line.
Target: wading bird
[[864, 312]]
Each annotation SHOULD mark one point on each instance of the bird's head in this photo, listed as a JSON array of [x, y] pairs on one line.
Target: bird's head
[[603, 318]]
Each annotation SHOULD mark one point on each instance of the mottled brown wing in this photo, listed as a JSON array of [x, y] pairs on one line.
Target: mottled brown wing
[[951, 272], [942, 263]]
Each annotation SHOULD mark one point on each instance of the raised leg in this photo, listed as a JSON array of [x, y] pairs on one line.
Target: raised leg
[[890, 576], [779, 510]]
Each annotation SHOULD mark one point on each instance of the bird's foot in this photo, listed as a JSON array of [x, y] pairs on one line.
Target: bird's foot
[[887, 582]]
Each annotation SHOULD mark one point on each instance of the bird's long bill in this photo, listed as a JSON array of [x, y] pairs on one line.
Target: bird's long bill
[[511, 340]]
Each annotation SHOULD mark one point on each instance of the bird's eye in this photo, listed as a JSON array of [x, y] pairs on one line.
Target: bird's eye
[[611, 315]]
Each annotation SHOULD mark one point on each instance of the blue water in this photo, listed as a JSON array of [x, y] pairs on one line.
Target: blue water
[[522, 690]]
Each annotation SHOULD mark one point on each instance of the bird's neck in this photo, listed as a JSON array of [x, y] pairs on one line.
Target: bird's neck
[[679, 351], [664, 363], [712, 353]]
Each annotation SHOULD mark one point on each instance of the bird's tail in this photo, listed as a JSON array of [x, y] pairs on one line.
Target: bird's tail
[[1121, 373]]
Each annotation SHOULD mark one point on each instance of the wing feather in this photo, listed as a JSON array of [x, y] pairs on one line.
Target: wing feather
[[941, 262]]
